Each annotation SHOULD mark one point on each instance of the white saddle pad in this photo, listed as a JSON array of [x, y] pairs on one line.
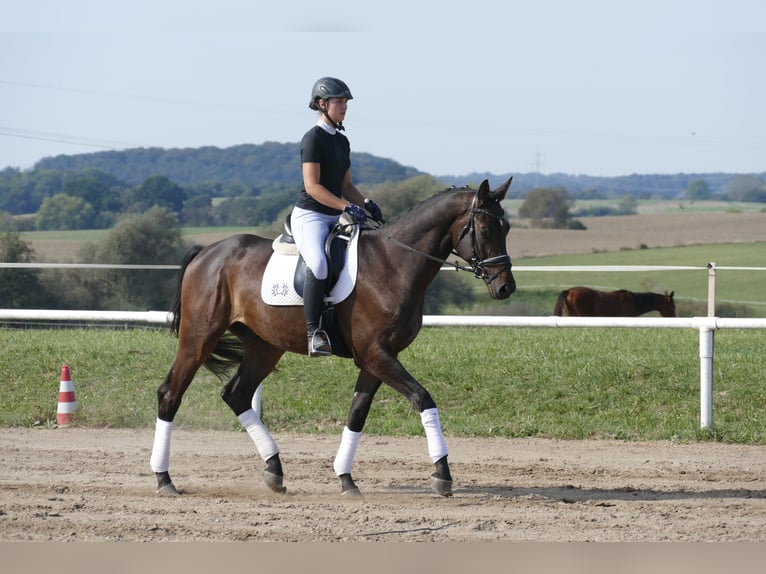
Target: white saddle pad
[[277, 285]]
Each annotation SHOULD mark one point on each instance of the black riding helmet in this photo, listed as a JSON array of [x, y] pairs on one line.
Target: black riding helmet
[[325, 88]]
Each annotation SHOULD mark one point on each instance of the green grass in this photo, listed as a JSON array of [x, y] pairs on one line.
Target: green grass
[[628, 384]]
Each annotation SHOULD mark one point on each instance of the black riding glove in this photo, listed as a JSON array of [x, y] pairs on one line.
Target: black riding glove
[[373, 209], [356, 213]]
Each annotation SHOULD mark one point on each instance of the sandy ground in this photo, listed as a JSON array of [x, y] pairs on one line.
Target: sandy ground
[[73, 484], [95, 484]]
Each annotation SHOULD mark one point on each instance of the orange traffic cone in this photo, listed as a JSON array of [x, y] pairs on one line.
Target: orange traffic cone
[[67, 402]]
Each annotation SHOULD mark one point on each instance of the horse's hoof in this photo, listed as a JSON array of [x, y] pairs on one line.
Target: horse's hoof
[[168, 489], [441, 486], [352, 493], [274, 482]]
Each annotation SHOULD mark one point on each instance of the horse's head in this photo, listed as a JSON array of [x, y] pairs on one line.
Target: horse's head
[[667, 305], [482, 239]]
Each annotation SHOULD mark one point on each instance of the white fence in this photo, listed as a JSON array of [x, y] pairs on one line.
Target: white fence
[[705, 325]]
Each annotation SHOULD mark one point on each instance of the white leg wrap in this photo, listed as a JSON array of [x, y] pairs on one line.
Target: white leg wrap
[[257, 431], [257, 402], [346, 451], [160, 460], [437, 448]]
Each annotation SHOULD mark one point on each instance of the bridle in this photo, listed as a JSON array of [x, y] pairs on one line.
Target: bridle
[[476, 264]]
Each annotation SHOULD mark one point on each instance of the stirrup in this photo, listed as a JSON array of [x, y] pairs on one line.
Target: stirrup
[[319, 344]]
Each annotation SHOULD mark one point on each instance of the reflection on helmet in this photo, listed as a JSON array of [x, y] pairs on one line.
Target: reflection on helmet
[[325, 88]]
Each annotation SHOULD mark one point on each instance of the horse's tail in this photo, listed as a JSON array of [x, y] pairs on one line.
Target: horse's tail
[[176, 306], [561, 303], [229, 351]]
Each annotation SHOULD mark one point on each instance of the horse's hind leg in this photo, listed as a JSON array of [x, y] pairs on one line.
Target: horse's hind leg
[[260, 359]]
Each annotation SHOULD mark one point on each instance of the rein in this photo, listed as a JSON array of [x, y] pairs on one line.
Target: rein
[[455, 264], [476, 265]]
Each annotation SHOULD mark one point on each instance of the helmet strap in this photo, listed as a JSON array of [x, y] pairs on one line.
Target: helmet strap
[[339, 126]]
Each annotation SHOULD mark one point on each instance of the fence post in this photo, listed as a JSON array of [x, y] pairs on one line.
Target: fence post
[[706, 377], [711, 289], [707, 346]]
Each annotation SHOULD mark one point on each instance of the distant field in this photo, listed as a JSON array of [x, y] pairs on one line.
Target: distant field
[[659, 224], [656, 206]]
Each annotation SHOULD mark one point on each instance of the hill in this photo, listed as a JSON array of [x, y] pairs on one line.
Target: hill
[[91, 191], [268, 163], [277, 163]]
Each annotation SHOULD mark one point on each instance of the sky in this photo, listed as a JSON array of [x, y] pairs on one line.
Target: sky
[[590, 87]]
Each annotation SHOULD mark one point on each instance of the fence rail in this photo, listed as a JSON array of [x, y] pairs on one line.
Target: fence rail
[[705, 325]]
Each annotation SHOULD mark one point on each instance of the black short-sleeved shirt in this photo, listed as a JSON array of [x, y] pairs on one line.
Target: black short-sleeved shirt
[[333, 154]]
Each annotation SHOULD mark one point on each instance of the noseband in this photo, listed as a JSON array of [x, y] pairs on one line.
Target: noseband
[[476, 262]]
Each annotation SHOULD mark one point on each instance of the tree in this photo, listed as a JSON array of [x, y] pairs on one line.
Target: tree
[[628, 204], [198, 210], [445, 291], [396, 198], [698, 189], [237, 211], [19, 288], [99, 189], [547, 207], [151, 238], [746, 188], [65, 212], [157, 191]]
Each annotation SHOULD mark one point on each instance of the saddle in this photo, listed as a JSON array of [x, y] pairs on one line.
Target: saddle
[[285, 272], [335, 248], [283, 278]]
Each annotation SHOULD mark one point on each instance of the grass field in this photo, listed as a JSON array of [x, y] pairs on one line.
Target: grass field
[[628, 384], [567, 383]]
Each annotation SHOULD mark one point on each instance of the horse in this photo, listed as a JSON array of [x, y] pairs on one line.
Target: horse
[[588, 302], [222, 322]]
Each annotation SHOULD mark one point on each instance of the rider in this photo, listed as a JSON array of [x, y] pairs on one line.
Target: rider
[[327, 192]]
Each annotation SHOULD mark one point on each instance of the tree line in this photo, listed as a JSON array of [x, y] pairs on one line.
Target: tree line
[[154, 237], [253, 184]]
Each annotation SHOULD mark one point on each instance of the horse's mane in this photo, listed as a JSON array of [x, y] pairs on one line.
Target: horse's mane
[[424, 208]]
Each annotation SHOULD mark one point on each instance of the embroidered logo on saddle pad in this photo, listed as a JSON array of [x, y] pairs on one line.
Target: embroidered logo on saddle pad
[[277, 285]]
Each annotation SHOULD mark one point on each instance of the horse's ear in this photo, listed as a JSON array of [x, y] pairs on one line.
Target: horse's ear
[[671, 294], [499, 193]]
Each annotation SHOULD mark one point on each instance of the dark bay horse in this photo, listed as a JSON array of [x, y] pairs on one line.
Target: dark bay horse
[[587, 302], [221, 320]]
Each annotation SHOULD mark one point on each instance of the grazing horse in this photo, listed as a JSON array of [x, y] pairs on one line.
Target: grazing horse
[[587, 302], [221, 320]]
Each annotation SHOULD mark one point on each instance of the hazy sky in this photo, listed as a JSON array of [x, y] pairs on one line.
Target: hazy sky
[[574, 86]]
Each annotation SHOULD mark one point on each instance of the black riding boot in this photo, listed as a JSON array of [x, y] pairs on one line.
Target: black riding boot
[[313, 302]]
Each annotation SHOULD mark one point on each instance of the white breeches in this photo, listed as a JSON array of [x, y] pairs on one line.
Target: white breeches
[[310, 230]]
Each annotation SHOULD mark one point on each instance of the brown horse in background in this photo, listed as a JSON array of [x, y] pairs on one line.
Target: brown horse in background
[[221, 319], [587, 302]]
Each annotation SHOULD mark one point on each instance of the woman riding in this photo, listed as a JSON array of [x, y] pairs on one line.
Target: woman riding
[[328, 191]]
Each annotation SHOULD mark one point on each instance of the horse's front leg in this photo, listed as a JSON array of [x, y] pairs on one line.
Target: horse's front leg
[[397, 377], [366, 387]]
